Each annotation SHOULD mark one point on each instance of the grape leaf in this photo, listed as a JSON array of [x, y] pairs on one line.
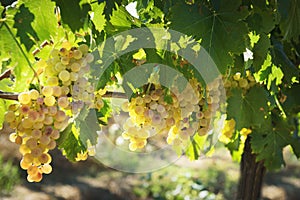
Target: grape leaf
[[104, 113], [280, 59], [88, 127], [249, 110], [291, 104], [98, 16], [45, 22], [23, 19], [120, 19], [290, 19], [262, 18], [260, 51], [268, 147], [12, 50], [73, 13], [70, 144], [220, 27]]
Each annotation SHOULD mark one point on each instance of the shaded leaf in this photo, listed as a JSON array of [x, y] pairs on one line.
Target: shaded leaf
[[260, 51], [73, 13], [249, 110], [290, 18], [219, 25]]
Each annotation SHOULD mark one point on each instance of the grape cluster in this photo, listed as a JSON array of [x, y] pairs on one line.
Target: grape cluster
[[41, 114], [173, 114], [37, 121], [238, 81], [67, 72]]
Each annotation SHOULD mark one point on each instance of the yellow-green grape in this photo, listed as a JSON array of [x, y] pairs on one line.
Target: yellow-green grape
[[57, 91], [89, 58], [47, 91], [9, 116], [36, 133], [60, 116], [64, 76], [83, 48], [46, 168], [59, 67], [243, 83], [73, 76], [65, 60], [34, 94], [237, 76], [63, 102], [52, 81], [45, 158], [24, 98], [77, 54], [49, 100], [75, 67]]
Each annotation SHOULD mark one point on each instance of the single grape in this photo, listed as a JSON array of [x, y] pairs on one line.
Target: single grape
[[24, 98], [49, 101], [64, 76], [47, 91]]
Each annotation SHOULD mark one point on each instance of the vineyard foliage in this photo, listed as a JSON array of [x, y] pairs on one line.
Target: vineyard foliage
[[268, 111]]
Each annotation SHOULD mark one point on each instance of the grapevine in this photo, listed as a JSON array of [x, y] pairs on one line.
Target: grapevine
[[59, 71]]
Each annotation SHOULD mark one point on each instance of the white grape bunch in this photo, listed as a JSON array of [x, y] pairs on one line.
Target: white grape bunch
[[171, 114], [42, 113]]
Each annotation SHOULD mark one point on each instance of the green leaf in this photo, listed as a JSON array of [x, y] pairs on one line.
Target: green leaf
[[98, 16], [88, 127], [12, 50], [262, 18], [45, 22], [120, 19], [219, 25], [74, 13], [71, 145], [280, 59], [260, 51], [249, 110], [291, 104], [195, 147], [290, 19], [104, 113], [23, 20], [268, 145]]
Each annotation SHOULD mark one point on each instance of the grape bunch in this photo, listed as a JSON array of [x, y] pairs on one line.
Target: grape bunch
[[67, 70], [171, 114], [37, 121], [238, 81], [42, 113]]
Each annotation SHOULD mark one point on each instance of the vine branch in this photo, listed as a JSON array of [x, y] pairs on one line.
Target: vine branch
[[8, 95], [5, 74], [14, 96]]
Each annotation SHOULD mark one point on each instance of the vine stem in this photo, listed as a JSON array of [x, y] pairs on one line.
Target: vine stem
[[14, 96], [8, 95], [22, 51], [5, 74]]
